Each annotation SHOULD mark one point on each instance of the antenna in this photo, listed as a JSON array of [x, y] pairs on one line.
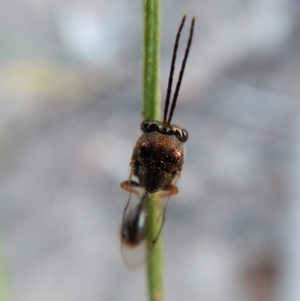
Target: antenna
[[182, 69], [172, 69]]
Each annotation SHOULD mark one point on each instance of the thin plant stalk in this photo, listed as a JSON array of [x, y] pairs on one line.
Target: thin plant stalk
[[151, 110]]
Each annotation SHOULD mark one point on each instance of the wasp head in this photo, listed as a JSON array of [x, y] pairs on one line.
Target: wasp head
[[159, 154]]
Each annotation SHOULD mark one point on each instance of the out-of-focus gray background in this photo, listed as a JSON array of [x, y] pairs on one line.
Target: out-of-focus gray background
[[70, 111]]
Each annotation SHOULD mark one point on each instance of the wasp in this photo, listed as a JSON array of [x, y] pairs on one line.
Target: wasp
[[157, 159]]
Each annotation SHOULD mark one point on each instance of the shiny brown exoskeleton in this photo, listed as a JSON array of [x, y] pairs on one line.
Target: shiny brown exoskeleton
[[158, 155], [157, 159]]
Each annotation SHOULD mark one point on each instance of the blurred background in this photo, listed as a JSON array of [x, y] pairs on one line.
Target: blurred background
[[70, 112]]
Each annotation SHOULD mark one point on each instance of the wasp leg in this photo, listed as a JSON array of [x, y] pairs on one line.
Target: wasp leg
[[168, 191], [133, 187]]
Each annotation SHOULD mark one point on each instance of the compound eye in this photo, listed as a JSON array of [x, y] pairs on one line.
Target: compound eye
[[181, 134], [178, 134], [148, 126], [185, 135]]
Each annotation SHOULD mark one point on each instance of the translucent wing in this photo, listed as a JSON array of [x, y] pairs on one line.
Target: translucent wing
[[134, 224], [165, 196], [133, 232]]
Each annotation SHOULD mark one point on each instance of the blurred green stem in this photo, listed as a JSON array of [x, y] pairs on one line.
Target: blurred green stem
[[151, 48], [151, 110]]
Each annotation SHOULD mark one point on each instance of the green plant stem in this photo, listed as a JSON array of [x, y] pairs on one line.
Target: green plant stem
[[151, 110], [155, 253], [151, 48]]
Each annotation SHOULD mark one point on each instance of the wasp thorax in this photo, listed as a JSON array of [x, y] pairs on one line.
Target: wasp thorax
[[158, 156]]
